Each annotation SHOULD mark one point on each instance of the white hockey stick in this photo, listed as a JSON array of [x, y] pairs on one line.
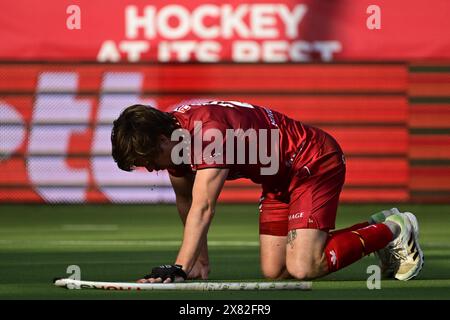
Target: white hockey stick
[[198, 286]]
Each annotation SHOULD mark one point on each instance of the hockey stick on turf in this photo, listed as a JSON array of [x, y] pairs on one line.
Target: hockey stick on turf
[[198, 286]]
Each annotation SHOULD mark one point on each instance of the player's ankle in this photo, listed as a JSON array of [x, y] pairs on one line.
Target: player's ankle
[[394, 227], [381, 216]]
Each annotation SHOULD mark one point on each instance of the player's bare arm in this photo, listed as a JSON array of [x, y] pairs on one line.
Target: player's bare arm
[[183, 193], [182, 186], [206, 189]]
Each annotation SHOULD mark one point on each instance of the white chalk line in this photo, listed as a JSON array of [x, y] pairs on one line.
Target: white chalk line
[[90, 227], [168, 243], [160, 243]]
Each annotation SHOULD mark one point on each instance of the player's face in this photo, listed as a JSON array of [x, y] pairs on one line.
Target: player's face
[[161, 160]]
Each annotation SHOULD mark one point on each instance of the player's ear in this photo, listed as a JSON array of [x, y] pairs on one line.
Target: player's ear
[[163, 141]]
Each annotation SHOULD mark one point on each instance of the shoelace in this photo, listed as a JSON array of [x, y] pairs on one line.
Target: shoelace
[[398, 252]]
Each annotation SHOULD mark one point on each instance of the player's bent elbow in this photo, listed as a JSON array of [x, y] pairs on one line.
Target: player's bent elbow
[[206, 209], [208, 215]]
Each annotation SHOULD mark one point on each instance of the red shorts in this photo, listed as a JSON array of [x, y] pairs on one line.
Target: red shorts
[[312, 198]]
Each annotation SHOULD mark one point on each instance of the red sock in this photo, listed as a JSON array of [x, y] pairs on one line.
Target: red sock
[[352, 228], [344, 248]]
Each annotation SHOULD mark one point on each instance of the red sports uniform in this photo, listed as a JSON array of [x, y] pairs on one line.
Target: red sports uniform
[[304, 192]]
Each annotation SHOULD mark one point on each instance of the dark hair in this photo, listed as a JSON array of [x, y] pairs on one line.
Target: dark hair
[[135, 134]]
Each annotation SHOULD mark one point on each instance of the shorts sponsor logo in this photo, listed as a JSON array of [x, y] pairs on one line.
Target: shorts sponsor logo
[[297, 215]]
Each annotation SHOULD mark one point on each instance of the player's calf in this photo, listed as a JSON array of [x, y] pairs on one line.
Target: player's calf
[[343, 249]]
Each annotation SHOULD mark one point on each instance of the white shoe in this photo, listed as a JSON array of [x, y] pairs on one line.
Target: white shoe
[[381, 216], [403, 256], [386, 261]]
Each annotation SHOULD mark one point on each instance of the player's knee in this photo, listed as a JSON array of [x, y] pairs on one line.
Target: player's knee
[[272, 272], [299, 274], [305, 271], [302, 272]]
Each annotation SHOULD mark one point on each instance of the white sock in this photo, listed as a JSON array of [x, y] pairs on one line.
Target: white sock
[[394, 227]]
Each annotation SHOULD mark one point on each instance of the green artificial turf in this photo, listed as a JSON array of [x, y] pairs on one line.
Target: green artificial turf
[[123, 242]]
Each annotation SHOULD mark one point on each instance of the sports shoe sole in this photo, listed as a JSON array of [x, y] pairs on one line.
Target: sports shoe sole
[[415, 234]]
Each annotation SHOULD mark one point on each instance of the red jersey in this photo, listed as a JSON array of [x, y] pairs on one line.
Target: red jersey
[[297, 145]]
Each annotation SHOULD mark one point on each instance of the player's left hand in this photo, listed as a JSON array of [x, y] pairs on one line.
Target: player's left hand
[[165, 274], [200, 270]]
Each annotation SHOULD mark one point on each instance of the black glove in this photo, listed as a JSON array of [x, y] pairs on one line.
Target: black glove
[[167, 271]]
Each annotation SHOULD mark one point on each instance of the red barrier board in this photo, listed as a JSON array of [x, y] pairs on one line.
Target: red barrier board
[[214, 31], [55, 124]]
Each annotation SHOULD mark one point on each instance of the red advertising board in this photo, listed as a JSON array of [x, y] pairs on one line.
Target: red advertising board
[[56, 123], [214, 31]]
